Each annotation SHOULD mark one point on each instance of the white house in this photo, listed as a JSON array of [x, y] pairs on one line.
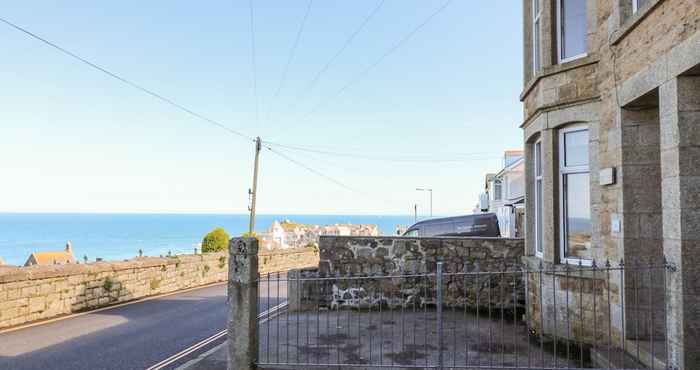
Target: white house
[[504, 194]]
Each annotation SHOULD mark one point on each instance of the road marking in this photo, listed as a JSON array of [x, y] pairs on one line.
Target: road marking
[[266, 315], [139, 300]]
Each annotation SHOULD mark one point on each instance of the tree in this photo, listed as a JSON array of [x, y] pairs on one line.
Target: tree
[[215, 241]]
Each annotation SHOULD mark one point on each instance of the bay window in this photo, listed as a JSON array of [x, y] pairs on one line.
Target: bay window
[[572, 28], [538, 199], [575, 200]]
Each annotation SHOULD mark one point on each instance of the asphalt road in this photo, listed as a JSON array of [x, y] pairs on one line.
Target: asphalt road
[[134, 336]]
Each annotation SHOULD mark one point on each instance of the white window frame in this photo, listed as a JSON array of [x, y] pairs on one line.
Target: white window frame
[[497, 194], [563, 171], [560, 40], [635, 6], [539, 245], [537, 36]]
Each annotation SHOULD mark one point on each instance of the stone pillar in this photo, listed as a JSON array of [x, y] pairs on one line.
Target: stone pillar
[[550, 191], [680, 185], [242, 303]]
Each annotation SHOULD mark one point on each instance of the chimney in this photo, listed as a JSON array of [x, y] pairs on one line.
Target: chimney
[[69, 247]]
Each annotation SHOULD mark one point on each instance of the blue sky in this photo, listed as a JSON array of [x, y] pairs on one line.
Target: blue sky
[[72, 139]]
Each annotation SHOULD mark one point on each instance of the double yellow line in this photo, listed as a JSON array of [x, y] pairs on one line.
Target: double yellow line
[[265, 316]]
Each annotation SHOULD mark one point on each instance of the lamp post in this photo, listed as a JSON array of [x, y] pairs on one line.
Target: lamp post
[[431, 199]]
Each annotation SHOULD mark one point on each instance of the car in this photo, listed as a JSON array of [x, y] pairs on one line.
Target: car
[[479, 225]]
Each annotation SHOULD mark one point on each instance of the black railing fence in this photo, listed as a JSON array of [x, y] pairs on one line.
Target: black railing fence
[[543, 317]]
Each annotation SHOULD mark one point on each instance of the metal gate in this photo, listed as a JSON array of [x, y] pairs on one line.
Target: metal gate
[[554, 317]]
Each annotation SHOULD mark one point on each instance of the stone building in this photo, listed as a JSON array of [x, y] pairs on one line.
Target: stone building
[[612, 144], [52, 257]]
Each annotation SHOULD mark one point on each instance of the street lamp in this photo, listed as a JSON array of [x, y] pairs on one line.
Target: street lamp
[[431, 199]]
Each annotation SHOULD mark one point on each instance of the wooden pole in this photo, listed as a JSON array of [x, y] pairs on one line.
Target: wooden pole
[[254, 191]]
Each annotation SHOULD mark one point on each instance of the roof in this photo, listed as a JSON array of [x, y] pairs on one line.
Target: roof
[[51, 257], [511, 166]]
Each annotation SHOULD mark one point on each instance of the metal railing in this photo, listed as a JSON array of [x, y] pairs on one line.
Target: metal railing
[[542, 317]]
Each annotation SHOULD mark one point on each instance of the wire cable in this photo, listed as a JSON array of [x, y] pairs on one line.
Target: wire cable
[[126, 81], [379, 60], [315, 172], [385, 159], [292, 53], [253, 63], [346, 44], [321, 174]]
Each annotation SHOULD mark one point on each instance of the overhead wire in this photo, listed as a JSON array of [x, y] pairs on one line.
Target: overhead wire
[[292, 52], [322, 175], [317, 76], [385, 159], [253, 63], [364, 72], [126, 81]]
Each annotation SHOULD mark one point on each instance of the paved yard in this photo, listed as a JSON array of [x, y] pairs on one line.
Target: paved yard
[[337, 339]]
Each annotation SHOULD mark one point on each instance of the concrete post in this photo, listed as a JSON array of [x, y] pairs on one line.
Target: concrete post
[[242, 303], [680, 185]]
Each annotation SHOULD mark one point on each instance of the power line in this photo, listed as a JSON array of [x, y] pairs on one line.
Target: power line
[[253, 62], [381, 58], [126, 81], [346, 44], [292, 53], [315, 172], [322, 175], [385, 159]]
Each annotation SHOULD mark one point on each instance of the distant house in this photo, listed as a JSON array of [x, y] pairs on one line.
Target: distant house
[[52, 257], [289, 234], [504, 194]]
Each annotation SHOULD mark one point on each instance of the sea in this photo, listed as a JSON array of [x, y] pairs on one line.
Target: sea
[[121, 236]]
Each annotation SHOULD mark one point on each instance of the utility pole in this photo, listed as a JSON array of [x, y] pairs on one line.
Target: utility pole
[[415, 213], [254, 191], [431, 199]]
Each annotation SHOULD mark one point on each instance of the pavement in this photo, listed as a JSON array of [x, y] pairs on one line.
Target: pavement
[[338, 339], [133, 336]]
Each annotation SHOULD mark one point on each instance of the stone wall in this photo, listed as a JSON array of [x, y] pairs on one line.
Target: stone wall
[[42, 292], [386, 259]]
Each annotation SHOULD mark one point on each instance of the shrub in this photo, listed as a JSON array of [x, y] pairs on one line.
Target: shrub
[[215, 241], [108, 284]]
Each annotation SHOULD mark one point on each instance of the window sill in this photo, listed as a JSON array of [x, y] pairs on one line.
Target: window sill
[[632, 21], [558, 270], [559, 68]]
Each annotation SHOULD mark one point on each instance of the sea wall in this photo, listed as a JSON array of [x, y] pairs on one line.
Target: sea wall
[[410, 265], [34, 293]]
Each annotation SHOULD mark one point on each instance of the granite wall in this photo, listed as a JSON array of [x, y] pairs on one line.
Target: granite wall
[[400, 271], [34, 293]]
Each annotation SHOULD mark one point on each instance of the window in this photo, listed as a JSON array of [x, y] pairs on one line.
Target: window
[[497, 190], [575, 199], [571, 29], [638, 4], [536, 15], [538, 199]]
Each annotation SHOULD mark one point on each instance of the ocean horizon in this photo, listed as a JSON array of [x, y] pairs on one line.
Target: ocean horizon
[[119, 236]]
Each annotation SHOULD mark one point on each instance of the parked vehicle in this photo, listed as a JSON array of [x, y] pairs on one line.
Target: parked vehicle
[[482, 224]]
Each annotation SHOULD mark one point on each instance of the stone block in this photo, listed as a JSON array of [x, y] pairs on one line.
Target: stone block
[[37, 304]]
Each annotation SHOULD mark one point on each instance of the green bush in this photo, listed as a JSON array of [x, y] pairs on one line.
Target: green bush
[[215, 241]]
